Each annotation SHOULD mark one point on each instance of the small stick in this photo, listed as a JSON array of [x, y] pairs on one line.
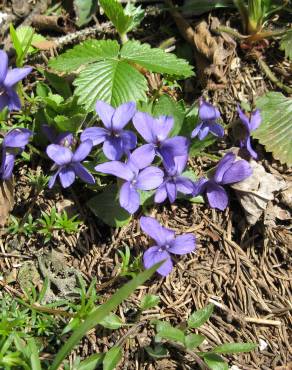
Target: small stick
[[256, 320]]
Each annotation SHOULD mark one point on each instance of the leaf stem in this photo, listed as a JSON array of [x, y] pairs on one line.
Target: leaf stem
[[124, 38]]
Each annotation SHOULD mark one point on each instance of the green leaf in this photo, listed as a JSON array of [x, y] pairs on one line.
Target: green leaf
[[112, 358], [156, 352], [26, 36], [169, 107], [91, 362], [15, 41], [215, 362], [113, 81], [87, 52], [199, 317], [229, 348], [149, 301], [136, 13], [72, 124], [115, 12], [197, 7], [198, 146], [61, 86], [95, 317], [155, 60], [166, 331], [84, 10], [193, 340], [112, 321], [106, 206], [275, 131]]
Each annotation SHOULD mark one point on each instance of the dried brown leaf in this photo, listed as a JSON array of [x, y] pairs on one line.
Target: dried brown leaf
[[6, 200]]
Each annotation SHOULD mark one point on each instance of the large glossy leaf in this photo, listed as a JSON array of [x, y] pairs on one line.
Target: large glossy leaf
[[87, 52], [155, 59], [275, 131], [113, 81]]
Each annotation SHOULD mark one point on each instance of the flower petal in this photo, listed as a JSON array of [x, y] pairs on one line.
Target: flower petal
[[144, 123], [142, 156], [112, 148], [196, 130], [176, 146], [53, 179], [180, 163], [183, 244], [82, 151], [83, 173], [238, 171], [123, 114], [200, 186], [216, 129], [96, 134], [49, 132], [207, 112], [129, 198], [14, 102], [115, 168], [249, 148], [223, 166], [162, 127], [157, 232], [149, 178], [244, 119], [153, 255], [204, 132], [105, 112], [67, 176], [4, 101], [15, 75], [129, 140], [3, 65], [171, 190], [17, 138], [59, 154], [184, 185], [217, 196], [7, 165], [255, 119], [160, 194]]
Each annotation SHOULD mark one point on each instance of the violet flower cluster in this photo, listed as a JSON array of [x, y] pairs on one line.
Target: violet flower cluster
[[8, 82]]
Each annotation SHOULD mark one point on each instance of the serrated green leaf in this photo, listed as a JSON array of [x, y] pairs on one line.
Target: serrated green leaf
[[106, 206], [193, 340], [275, 131], [112, 358], [149, 301], [168, 107], [84, 10], [155, 60], [229, 348], [87, 52], [113, 81], [199, 317], [166, 331], [115, 12], [136, 13], [215, 362], [112, 321], [286, 45]]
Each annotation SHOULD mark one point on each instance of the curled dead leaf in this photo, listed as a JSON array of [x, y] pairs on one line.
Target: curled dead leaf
[[6, 200], [256, 191]]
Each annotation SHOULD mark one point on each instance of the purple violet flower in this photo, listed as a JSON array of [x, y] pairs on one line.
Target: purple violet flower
[[68, 164], [13, 143], [208, 115], [166, 244], [155, 132], [116, 141], [64, 138], [250, 124], [8, 81], [228, 171], [174, 182], [137, 172]]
